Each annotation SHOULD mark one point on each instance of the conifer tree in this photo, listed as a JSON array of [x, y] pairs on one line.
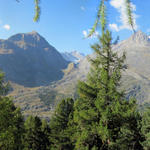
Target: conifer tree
[[123, 130], [11, 125], [146, 129], [46, 134], [60, 126], [11, 120], [34, 137], [102, 114], [4, 86]]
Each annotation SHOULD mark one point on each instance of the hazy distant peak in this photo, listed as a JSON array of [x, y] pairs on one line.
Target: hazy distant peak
[[73, 56], [77, 54]]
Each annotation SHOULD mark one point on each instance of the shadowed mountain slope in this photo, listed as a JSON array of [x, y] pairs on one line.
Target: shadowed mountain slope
[[29, 60]]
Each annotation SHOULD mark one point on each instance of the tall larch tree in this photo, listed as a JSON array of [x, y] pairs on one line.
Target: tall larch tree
[[102, 114]]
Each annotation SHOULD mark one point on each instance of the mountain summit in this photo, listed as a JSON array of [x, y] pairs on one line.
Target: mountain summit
[[31, 38], [136, 79], [29, 60], [139, 38]]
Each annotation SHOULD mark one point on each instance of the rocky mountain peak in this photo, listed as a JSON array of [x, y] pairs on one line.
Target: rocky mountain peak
[[139, 37], [22, 36], [35, 35], [29, 60], [33, 32], [31, 38]]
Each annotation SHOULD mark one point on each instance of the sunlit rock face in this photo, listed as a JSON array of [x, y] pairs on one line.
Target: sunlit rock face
[[136, 79]]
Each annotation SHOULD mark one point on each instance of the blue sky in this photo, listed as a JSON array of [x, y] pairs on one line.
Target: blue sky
[[64, 23]]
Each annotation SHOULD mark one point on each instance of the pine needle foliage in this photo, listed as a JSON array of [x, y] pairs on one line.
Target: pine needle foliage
[[35, 137], [37, 10], [4, 86], [11, 125], [100, 19], [129, 14], [60, 126], [146, 129], [101, 16]]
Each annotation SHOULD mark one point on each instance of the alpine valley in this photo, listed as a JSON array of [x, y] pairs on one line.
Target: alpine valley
[[40, 76]]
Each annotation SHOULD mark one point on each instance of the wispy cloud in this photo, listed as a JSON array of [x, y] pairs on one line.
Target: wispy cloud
[[114, 27], [121, 8], [6, 27], [82, 8], [86, 33]]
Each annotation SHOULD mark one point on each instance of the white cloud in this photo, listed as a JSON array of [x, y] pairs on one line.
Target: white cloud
[[86, 33], [82, 8], [6, 26], [121, 8], [114, 27]]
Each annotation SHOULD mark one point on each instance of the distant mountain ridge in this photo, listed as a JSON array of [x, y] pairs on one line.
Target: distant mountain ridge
[[29, 60], [73, 56], [136, 79]]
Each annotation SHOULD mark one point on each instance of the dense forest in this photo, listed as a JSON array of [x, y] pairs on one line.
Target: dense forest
[[99, 119]]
